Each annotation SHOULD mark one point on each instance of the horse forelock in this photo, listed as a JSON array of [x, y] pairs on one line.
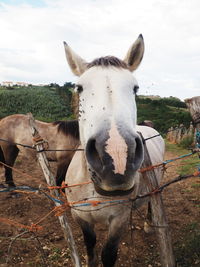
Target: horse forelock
[[68, 128], [107, 61]]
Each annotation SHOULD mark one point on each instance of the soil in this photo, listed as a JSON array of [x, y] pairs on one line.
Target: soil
[[47, 247]]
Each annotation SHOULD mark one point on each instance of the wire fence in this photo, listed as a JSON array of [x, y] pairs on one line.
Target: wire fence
[[91, 202], [97, 204]]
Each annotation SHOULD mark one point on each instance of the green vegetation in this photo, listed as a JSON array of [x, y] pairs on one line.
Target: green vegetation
[[52, 102], [187, 251], [164, 112], [187, 142], [189, 164], [47, 103]]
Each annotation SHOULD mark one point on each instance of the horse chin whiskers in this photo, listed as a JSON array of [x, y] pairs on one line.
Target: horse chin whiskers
[[94, 177], [112, 188], [106, 187], [110, 192]]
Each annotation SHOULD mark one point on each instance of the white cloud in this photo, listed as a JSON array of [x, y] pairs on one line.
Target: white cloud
[[31, 47]]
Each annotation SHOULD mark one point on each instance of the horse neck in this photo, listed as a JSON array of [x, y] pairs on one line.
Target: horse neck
[[78, 172]]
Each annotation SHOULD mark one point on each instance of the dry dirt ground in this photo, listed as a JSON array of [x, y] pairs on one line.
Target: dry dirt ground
[[48, 247]]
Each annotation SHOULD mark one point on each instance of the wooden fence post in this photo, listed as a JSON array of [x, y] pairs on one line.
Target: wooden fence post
[[158, 215], [51, 182], [191, 130], [169, 134], [174, 135], [179, 134], [193, 105]]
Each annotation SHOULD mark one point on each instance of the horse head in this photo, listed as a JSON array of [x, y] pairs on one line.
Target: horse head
[[107, 118]]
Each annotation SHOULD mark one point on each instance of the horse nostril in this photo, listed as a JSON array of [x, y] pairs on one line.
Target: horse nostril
[[139, 152], [93, 156], [91, 150]]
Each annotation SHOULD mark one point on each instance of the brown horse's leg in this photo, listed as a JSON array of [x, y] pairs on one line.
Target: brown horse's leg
[[1, 157], [61, 171], [109, 252], [147, 224], [10, 155], [90, 242]]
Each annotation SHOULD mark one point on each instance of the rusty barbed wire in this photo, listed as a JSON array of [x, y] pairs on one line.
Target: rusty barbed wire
[[90, 201], [78, 149]]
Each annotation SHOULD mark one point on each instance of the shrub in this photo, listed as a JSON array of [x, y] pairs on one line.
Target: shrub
[[45, 103], [187, 142]]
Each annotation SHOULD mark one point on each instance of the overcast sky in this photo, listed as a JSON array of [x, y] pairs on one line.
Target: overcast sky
[[32, 34]]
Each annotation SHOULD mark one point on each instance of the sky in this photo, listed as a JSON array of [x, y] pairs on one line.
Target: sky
[[32, 34]]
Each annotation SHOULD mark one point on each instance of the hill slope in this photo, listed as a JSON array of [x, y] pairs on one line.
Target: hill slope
[[46, 103], [52, 102], [164, 112]]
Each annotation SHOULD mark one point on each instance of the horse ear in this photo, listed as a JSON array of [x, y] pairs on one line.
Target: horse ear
[[135, 54], [76, 63]]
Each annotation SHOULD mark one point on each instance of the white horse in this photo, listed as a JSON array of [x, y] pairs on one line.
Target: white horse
[[113, 149]]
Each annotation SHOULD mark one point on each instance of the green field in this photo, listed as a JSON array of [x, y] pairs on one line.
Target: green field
[[48, 103], [53, 102], [164, 112]]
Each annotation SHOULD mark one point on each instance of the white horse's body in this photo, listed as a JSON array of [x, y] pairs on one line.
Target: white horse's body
[[113, 147], [78, 173]]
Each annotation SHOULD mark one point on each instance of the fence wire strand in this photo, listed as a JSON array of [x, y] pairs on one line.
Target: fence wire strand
[[97, 204]]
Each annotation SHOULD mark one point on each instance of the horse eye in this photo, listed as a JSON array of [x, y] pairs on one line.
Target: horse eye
[[79, 88], [135, 89]]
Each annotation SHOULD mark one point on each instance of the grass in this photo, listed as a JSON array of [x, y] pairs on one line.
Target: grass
[[187, 252], [196, 185], [187, 165], [175, 148]]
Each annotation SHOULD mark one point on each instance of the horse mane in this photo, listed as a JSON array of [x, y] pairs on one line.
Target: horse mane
[[147, 123], [68, 128], [108, 61]]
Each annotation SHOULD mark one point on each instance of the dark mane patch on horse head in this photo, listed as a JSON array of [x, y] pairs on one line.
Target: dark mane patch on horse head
[[108, 61], [68, 128]]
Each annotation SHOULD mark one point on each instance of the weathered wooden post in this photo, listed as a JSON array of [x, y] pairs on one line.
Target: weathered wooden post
[[174, 134], [51, 182], [191, 130], [179, 134], [188, 132], [169, 134], [193, 105], [158, 215]]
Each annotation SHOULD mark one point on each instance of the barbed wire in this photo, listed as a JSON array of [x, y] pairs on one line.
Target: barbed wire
[[97, 204], [17, 144], [63, 186], [33, 147], [76, 149], [90, 201], [148, 168]]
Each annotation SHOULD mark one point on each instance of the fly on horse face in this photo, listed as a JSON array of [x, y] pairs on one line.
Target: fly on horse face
[[61, 135], [113, 147]]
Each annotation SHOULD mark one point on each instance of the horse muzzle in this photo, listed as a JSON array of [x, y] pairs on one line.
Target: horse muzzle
[[106, 179]]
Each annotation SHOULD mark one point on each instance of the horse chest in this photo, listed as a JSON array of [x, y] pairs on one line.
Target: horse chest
[[94, 208]]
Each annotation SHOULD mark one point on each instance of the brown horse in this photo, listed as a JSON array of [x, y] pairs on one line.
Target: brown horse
[[61, 135]]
